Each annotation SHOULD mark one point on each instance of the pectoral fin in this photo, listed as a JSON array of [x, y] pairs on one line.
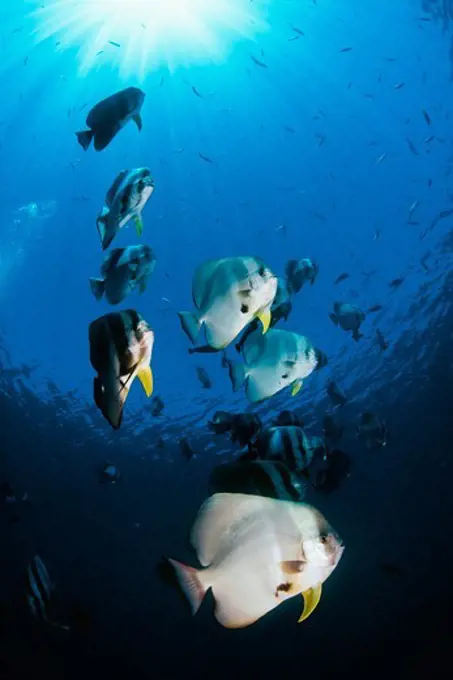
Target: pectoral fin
[[145, 375], [311, 600], [138, 224], [264, 315], [296, 386]]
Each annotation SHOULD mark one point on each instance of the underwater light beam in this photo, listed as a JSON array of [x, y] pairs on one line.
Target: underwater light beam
[[138, 35]]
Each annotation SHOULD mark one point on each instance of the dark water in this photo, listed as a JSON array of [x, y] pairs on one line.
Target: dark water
[[386, 610]]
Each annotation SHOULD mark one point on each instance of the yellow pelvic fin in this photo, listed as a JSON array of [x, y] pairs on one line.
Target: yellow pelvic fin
[[296, 387], [311, 600], [264, 315], [145, 375], [138, 224]]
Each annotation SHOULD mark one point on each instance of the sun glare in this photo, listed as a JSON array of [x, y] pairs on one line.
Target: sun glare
[[139, 35]]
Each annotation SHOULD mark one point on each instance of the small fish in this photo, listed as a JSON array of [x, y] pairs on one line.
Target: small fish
[[40, 593], [336, 394], [445, 213], [348, 317], [186, 448], [346, 49], [341, 277], [204, 378], [289, 129], [157, 406], [398, 86], [109, 116], [373, 432], [381, 158], [196, 92], [288, 444], [115, 44], [426, 117], [396, 283], [99, 53], [297, 30], [258, 62], [381, 340], [300, 272], [205, 158], [109, 473], [375, 308], [321, 140], [412, 147], [413, 207]]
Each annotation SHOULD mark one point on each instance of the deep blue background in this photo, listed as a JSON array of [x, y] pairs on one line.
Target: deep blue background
[[333, 198]]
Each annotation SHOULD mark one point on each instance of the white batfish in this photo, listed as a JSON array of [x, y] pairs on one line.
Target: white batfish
[[257, 553], [228, 294], [274, 361]]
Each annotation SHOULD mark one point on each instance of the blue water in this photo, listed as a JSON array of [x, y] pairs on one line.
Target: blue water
[[297, 171]]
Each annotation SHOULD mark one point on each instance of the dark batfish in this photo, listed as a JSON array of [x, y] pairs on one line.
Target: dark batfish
[[121, 346], [157, 407], [271, 479], [287, 444], [288, 417], [107, 118], [40, 593]]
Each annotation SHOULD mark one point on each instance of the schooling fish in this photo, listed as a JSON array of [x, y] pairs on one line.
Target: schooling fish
[[341, 277], [40, 595], [228, 294], [107, 118], [274, 361], [204, 378], [381, 340], [373, 431], [299, 272], [336, 394], [257, 553], [348, 317], [157, 406], [271, 479], [121, 346], [288, 444], [287, 417], [122, 271], [125, 201]]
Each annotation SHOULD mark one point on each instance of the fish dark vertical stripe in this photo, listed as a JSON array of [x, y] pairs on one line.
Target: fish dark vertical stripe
[[287, 447]]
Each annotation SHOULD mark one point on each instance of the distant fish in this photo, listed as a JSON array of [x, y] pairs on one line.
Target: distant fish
[[412, 147], [204, 378], [375, 308], [381, 158], [413, 207], [297, 30], [398, 86], [346, 49], [341, 277], [195, 91], [396, 283], [157, 406], [186, 448], [426, 117], [336, 394], [258, 62], [381, 340], [429, 139], [115, 44], [205, 158], [288, 128], [109, 473], [40, 593]]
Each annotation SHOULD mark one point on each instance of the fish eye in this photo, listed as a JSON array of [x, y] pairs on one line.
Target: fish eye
[[244, 309], [261, 271], [284, 376]]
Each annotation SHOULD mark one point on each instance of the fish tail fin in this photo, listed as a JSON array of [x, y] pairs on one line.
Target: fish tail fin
[[138, 121], [190, 325], [189, 581], [84, 138], [101, 223], [237, 374], [97, 288], [334, 318]]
